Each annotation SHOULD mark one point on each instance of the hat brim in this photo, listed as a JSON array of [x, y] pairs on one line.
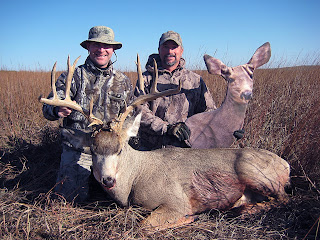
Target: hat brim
[[117, 45]]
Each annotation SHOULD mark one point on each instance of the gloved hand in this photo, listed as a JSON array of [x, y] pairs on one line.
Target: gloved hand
[[238, 134], [180, 130]]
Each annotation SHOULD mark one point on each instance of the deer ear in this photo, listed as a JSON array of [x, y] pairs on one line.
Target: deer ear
[[133, 129], [214, 66], [261, 55], [79, 139]]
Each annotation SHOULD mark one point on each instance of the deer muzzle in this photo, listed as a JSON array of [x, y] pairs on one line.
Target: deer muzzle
[[247, 95], [108, 182]]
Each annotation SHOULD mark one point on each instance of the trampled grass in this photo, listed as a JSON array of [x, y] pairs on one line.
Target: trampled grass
[[283, 117]]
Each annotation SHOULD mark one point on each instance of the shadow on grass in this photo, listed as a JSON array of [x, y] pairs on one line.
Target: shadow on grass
[[32, 168]]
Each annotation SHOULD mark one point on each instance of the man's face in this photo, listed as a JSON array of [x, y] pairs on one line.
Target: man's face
[[170, 53], [100, 53]]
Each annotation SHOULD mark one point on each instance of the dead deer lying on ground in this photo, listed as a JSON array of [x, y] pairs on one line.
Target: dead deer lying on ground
[[178, 183], [215, 128]]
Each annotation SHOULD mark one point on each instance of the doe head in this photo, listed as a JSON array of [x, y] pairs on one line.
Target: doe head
[[239, 78]]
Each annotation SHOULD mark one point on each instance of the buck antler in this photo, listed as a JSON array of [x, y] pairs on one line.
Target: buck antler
[[154, 93], [67, 102]]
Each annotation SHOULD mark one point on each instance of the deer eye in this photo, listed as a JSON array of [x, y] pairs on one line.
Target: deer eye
[[119, 152]]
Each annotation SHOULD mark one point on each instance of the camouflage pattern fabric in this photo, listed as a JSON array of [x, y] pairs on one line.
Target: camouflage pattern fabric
[[74, 172], [158, 114], [111, 91]]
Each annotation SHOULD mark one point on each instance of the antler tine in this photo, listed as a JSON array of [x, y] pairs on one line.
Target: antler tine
[[154, 94], [70, 76], [155, 77], [140, 78], [53, 81], [92, 118], [67, 102]]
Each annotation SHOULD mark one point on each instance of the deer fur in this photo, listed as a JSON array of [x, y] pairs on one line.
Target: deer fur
[[215, 128], [179, 183]]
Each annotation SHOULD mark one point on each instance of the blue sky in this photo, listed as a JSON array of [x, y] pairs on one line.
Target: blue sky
[[35, 34]]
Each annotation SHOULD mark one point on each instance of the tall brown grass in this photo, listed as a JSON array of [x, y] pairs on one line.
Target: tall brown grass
[[283, 117]]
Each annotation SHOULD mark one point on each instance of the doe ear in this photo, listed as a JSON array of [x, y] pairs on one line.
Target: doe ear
[[214, 65], [261, 55], [132, 130]]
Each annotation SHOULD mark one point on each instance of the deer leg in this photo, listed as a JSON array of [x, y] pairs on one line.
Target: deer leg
[[258, 191], [250, 209], [164, 217], [264, 174], [252, 203]]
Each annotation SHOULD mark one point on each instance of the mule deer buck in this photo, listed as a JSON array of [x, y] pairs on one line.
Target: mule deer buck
[[179, 183], [215, 128]]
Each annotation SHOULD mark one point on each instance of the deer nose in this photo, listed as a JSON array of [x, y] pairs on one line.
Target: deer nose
[[108, 182], [247, 95]]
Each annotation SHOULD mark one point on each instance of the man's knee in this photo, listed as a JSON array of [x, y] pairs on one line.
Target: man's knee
[[73, 176]]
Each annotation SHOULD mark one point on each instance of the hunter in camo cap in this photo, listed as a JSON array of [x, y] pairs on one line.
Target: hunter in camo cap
[[101, 34], [111, 90], [163, 122], [171, 35]]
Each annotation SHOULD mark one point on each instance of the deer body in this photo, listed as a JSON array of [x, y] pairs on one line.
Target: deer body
[[181, 182], [215, 128]]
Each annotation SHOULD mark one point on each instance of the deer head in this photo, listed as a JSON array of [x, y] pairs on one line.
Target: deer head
[[240, 78]]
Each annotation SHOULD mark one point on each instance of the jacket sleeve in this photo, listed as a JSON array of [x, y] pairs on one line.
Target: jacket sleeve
[[51, 112], [150, 123]]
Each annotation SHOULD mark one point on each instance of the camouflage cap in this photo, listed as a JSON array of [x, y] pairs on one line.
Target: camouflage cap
[[101, 34], [171, 35]]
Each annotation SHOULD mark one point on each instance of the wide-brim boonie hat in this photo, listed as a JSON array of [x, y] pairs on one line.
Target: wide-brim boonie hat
[[101, 34], [170, 35]]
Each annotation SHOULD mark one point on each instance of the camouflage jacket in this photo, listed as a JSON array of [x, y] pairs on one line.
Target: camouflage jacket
[[157, 115], [110, 89]]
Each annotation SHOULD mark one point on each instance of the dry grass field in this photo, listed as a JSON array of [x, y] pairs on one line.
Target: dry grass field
[[283, 117]]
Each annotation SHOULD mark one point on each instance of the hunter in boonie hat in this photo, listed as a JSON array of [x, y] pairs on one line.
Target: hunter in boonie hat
[[101, 34], [170, 35]]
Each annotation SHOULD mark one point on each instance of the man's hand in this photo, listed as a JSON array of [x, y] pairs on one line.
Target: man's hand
[[180, 130], [64, 111]]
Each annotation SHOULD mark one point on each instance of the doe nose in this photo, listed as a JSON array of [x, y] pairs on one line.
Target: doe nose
[[247, 95], [108, 182]]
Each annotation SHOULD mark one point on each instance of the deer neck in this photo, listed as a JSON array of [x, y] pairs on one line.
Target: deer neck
[[131, 160], [233, 110]]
